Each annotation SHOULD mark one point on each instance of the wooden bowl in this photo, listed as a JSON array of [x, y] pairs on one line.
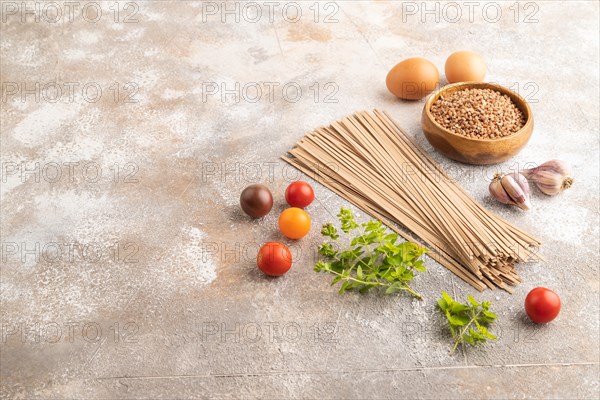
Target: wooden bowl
[[472, 150]]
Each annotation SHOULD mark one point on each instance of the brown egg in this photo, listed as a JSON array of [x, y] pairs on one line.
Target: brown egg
[[465, 66], [412, 79]]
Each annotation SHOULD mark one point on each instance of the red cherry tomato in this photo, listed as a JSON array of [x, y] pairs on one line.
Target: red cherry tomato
[[299, 194], [274, 259], [542, 305]]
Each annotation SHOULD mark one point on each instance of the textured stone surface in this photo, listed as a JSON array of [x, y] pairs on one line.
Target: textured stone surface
[[173, 305]]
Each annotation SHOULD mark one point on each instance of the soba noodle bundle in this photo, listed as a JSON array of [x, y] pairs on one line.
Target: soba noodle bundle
[[370, 161]]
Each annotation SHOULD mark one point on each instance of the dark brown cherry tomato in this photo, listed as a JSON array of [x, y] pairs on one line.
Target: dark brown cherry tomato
[[256, 200]]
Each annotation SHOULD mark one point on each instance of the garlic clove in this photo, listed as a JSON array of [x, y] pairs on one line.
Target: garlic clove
[[498, 192], [524, 185], [551, 177], [517, 188], [548, 182], [555, 166]]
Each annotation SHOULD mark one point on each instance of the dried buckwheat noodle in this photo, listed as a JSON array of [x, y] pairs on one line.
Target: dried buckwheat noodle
[[370, 161]]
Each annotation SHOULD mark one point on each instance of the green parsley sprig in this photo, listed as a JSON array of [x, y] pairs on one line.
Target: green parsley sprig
[[468, 322], [372, 258]]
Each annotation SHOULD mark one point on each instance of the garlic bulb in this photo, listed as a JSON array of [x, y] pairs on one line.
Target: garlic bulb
[[511, 189], [551, 177]]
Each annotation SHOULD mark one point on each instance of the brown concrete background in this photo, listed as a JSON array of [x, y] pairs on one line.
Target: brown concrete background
[[155, 292]]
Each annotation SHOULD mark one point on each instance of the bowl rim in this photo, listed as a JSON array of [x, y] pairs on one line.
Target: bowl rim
[[502, 89]]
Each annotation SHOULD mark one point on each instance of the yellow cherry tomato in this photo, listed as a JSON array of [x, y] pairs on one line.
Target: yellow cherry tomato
[[294, 223]]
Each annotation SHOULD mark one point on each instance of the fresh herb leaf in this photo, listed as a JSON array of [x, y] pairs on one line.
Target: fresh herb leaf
[[468, 322], [372, 258], [329, 231], [327, 250], [347, 220]]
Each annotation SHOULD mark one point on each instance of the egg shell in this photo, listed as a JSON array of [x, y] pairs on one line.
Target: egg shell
[[412, 79], [465, 66]]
